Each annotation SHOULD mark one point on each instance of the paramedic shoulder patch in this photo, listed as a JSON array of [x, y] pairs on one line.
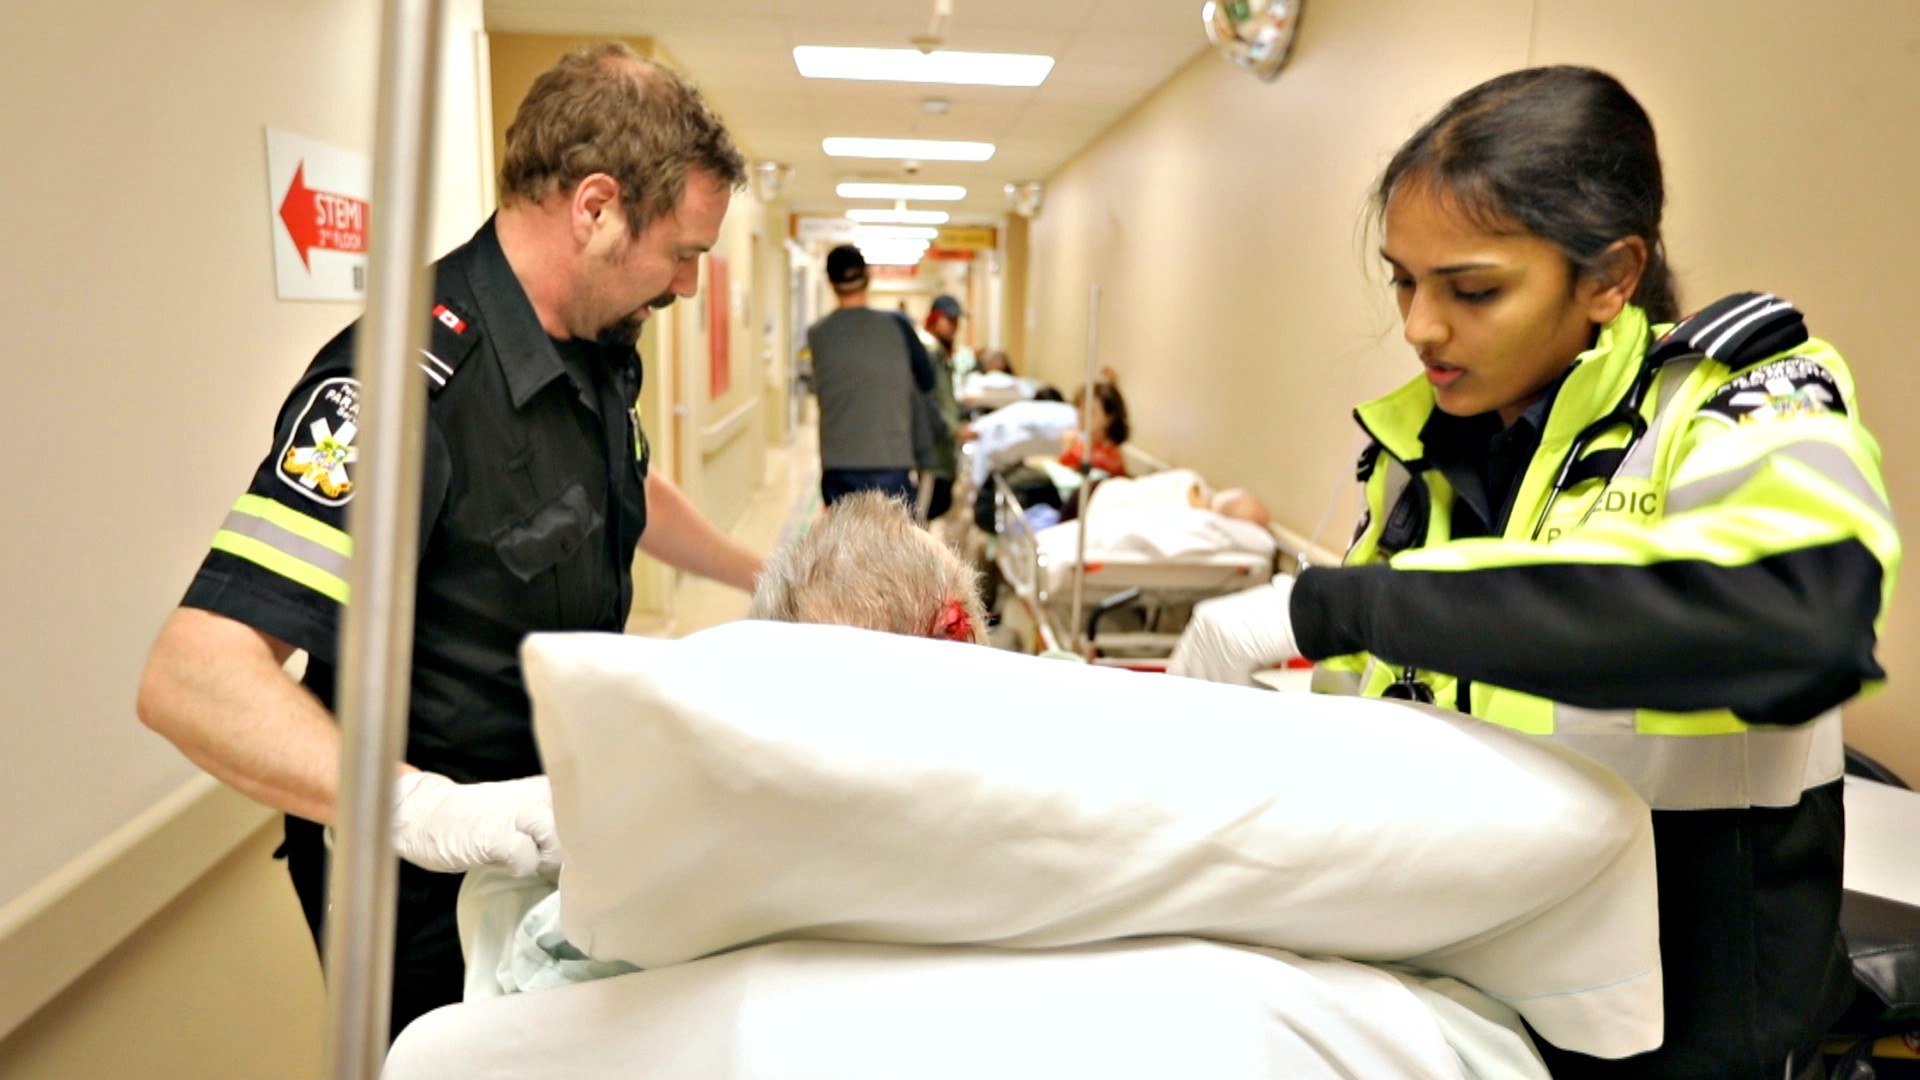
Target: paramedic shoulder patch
[[1785, 389], [319, 447]]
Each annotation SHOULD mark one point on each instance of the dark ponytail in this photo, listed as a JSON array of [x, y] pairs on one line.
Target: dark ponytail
[[1564, 152]]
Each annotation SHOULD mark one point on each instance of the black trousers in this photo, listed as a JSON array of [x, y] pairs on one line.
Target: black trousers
[[1754, 967], [428, 971]]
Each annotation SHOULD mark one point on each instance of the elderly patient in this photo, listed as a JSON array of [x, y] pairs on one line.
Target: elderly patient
[[863, 563], [1168, 515]]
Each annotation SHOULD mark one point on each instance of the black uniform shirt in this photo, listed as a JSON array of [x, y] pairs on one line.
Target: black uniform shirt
[[1485, 461], [532, 505]]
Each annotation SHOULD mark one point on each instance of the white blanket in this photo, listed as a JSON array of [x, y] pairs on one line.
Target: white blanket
[[1155, 533], [764, 781], [1135, 1010]]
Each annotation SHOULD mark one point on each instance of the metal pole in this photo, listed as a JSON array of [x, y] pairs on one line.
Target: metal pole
[[1079, 633], [384, 522]]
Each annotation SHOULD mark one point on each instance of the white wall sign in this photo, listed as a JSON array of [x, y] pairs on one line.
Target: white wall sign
[[809, 228], [318, 195]]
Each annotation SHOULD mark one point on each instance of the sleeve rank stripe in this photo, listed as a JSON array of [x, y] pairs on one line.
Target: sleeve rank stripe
[[1694, 337], [286, 543], [295, 522], [1715, 347], [270, 558]]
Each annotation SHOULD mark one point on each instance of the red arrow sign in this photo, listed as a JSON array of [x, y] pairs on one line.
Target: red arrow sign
[[321, 219]]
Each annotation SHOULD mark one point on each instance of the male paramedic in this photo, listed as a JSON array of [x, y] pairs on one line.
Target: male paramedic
[[535, 493]]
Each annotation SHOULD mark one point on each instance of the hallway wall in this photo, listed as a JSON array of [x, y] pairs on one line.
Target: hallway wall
[[1244, 309]]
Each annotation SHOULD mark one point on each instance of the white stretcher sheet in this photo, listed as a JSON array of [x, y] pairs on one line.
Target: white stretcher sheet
[[1146, 1009], [846, 792], [1157, 545]]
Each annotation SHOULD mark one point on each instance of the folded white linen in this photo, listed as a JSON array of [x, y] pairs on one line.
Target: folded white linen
[[760, 781]]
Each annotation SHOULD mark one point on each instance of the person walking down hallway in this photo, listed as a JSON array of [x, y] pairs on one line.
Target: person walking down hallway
[[943, 461], [867, 367]]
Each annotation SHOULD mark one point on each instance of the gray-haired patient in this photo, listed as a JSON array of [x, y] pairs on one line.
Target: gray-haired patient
[[862, 563]]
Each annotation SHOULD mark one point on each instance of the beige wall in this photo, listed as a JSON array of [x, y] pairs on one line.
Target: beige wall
[[1246, 318]]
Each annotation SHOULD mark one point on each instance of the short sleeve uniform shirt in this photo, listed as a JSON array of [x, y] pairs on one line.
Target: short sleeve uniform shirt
[[533, 502]]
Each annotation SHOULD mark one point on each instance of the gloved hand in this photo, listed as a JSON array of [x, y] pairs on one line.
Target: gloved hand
[[442, 825], [1231, 637]]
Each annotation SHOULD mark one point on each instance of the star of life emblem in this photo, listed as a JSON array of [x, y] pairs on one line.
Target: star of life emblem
[[1782, 390], [319, 446], [1782, 398]]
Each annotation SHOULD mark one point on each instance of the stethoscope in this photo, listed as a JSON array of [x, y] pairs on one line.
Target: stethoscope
[[1577, 468]]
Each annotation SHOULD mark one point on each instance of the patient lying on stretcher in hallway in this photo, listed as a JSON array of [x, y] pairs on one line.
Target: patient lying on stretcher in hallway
[[1165, 516], [864, 563]]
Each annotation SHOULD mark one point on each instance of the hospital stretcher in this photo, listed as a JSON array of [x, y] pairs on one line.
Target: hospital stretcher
[[1149, 1009], [1132, 607], [1124, 1007]]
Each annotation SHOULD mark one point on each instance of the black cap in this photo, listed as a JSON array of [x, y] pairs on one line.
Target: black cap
[[846, 266], [948, 306]]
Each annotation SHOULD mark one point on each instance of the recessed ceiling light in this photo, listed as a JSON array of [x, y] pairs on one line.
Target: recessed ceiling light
[[899, 217], [912, 65], [915, 149], [894, 232], [925, 192], [892, 252]]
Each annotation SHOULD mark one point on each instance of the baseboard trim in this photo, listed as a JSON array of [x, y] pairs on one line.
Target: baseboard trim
[[59, 929]]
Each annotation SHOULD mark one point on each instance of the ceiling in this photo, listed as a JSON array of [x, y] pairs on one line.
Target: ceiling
[[1110, 54]]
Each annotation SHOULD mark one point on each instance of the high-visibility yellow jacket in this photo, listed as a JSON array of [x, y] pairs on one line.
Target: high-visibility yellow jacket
[[1690, 614]]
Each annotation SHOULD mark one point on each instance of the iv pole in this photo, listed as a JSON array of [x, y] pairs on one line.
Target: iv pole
[[1087, 481], [384, 524]]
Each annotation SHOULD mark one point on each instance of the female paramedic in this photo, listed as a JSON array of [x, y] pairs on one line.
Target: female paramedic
[[1668, 547]]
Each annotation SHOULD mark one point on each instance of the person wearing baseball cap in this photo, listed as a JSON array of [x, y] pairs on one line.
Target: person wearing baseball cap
[[943, 323], [867, 367]]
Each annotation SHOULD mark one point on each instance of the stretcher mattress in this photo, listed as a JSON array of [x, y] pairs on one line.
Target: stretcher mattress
[[1146, 1009]]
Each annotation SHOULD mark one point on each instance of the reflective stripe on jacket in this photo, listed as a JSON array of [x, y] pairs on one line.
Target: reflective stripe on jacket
[[1694, 621]]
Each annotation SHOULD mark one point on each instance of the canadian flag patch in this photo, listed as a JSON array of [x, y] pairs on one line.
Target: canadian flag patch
[[448, 319]]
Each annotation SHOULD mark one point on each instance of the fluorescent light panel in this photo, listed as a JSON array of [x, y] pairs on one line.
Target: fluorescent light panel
[[908, 149], [912, 65], [894, 232], [923, 192], [891, 245], [899, 217]]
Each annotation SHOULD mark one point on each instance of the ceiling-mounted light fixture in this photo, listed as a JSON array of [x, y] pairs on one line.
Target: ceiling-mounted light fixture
[[924, 192], [770, 179], [1255, 34], [892, 252], [1024, 197], [908, 149], [894, 232], [910, 65], [936, 34], [898, 217]]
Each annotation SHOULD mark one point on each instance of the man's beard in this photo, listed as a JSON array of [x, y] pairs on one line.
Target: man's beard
[[626, 331]]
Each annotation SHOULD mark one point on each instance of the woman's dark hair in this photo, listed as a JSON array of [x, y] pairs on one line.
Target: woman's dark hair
[[1115, 406], [1564, 152]]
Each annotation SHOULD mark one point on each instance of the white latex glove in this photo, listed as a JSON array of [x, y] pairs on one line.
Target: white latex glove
[[441, 825], [1231, 637]]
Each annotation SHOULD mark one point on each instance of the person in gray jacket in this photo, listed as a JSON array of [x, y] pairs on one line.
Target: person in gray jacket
[[868, 366]]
